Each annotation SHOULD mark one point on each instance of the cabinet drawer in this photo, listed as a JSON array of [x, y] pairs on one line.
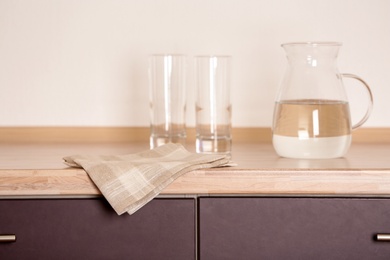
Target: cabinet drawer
[[293, 228], [90, 229]]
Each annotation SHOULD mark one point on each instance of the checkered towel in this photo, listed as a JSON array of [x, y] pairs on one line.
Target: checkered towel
[[128, 182]]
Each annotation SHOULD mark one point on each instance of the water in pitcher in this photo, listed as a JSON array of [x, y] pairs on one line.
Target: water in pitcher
[[311, 128], [311, 115]]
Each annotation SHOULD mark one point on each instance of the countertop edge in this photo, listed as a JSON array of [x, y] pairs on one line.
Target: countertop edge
[[75, 182]]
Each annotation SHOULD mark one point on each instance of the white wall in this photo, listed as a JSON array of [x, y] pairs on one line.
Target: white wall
[[84, 62]]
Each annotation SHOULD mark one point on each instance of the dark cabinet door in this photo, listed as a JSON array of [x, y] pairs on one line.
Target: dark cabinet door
[[293, 228], [90, 229]]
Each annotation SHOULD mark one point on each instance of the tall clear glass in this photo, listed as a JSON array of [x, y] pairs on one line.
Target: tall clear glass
[[311, 116], [213, 104], [167, 92]]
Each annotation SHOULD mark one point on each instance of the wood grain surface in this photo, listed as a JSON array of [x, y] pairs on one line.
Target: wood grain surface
[[37, 169]]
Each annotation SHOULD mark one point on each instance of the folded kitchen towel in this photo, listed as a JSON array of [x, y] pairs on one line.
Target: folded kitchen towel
[[128, 182]]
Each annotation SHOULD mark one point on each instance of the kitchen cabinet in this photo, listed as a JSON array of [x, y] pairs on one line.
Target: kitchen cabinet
[[228, 228], [90, 229], [267, 207], [293, 228]]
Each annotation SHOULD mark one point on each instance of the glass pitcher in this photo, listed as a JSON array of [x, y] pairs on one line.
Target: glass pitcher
[[311, 115]]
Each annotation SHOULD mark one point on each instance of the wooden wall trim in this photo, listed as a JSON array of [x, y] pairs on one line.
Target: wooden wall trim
[[133, 134]]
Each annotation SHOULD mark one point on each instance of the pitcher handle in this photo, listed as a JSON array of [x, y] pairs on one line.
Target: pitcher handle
[[371, 99]]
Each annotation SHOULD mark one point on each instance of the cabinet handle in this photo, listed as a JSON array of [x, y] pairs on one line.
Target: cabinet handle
[[7, 238], [383, 237]]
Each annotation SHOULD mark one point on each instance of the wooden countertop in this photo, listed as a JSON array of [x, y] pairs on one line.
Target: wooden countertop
[[36, 169]]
